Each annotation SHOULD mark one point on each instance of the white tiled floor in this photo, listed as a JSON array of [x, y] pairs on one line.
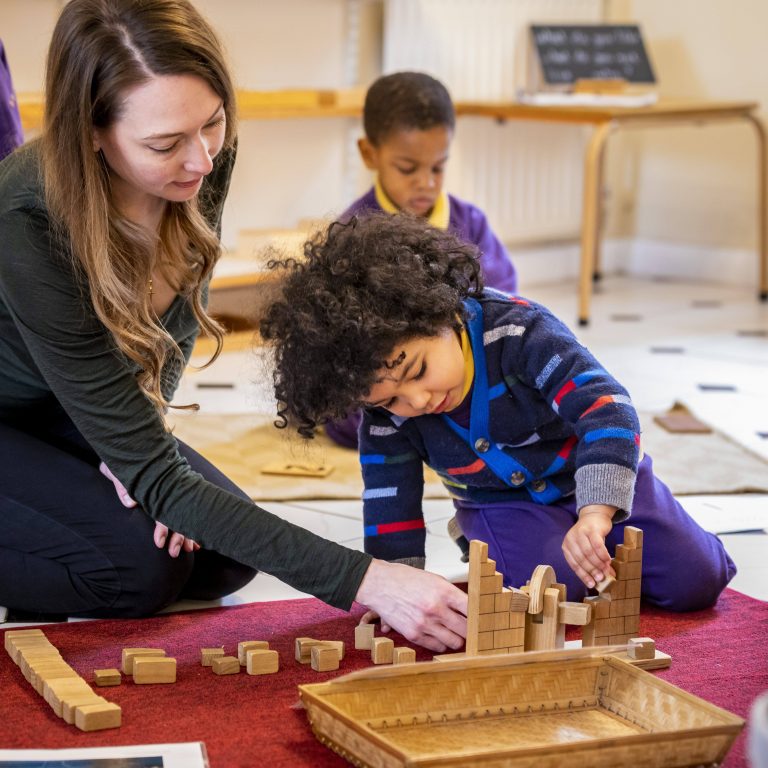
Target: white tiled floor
[[723, 334], [712, 334]]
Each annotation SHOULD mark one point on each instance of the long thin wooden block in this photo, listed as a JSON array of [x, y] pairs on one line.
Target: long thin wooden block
[[225, 665], [402, 655], [364, 636], [97, 717], [574, 613], [106, 677], [633, 537], [207, 655], [262, 662], [641, 648], [478, 554], [150, 670], [129, 654], [543, 631], [324, 658], [588, 634], [249, 645], [382, 650]]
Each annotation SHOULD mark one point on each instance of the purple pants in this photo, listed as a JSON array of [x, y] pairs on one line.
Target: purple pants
[[684, 567]]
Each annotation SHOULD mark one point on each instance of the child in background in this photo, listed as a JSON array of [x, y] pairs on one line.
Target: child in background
[[409, 122], [537, 443]]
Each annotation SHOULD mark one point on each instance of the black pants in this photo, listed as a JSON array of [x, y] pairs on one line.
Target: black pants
[[68, 546]]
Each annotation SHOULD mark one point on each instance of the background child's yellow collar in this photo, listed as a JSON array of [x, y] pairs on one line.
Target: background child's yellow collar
[[469, 363], [439, 217]]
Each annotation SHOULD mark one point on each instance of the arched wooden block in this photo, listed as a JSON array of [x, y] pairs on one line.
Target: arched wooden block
[[542, 578]]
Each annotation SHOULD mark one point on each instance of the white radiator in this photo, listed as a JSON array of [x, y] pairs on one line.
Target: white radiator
[[527, 177]]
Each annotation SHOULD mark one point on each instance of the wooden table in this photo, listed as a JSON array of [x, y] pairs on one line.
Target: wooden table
[[605, 121], [257, 105]]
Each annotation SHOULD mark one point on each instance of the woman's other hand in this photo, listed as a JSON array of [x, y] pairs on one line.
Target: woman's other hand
[[176, 542]]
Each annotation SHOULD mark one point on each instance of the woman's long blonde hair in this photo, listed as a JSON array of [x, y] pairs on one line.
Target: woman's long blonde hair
[[99, 49]]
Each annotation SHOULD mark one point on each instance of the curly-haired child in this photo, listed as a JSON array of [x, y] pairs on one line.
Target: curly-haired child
[[537, 443]]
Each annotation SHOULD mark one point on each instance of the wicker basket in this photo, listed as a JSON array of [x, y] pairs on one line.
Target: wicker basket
[[535, 710]]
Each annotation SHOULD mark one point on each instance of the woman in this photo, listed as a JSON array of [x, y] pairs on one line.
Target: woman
[[108, 237]]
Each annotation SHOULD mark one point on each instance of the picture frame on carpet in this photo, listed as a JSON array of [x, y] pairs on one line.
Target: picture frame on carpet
[[184, 755]]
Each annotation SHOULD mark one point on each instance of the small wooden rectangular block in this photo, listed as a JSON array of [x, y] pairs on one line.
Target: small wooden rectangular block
[[616, 608], [225, 665], [382, 650], [70, 704], [262, 662], [336, 644], [632, 589], [129, 654], [641, 648], [491, 584], [601, 606], [485, 641], [507, 638], [632, 624], [207, 655], [488, 568], [364, 637], [487, 603], [633, 570], [97, 717], [574, 613], [303, 649], [151, 670], [324, 658], [105, 677], [249, 645], [403, 655]]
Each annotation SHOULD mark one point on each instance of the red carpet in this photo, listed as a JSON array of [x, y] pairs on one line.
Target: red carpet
[[719, 654]]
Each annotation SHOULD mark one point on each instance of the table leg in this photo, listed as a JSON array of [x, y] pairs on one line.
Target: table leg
[[590, 217], [762, 204]]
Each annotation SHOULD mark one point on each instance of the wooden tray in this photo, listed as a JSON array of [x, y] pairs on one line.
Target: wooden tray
[[535, 710]]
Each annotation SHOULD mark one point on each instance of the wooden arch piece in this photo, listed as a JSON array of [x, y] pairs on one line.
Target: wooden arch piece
[[543, 577]]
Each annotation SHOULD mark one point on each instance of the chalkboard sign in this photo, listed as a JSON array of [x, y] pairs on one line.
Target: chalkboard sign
[[568, 53]]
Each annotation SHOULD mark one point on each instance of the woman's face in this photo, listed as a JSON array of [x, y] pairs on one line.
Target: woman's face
[[163, 143]]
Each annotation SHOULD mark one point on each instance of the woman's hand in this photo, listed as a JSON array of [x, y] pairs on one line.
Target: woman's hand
[[584, 545], [176, 543], [423, 607]]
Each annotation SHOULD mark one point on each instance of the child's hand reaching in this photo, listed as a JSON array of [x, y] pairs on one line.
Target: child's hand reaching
[[584, 545]]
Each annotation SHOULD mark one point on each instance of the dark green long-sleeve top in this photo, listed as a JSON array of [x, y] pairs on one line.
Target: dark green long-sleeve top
[[53, 346]]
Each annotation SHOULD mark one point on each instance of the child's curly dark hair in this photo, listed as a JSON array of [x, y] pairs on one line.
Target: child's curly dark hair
[[364, 286]]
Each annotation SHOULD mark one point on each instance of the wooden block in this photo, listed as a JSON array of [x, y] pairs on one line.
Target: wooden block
[[491, 584], [97, 717], [507, 638], [601, 606], [364, 636], [402, 655], [249, 645], [207, 655], [337, 644], [519, 601], [478, 554], [632, 588], [588, 634], [494, 652], [485, 641], [641, 648], [129, 654], [382, 650], [70, 704], [543, 631], [574, 613], [225, 665], [517, 620], [487, 604], [606, 583], [106, 677], [303, 649], [543, 578], [615, 625], [151, 670], [682, 422], [633, 570], [502, 601], [324, 658], [479, 549], [488, 568], [618, 590], [262, 661], [622, 553], [635, 555], [633, 537], [490, 622], [616, 608], [297, 469], [632, 624], [618, 639]]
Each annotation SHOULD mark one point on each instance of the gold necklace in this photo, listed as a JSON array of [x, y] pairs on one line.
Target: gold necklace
[[151, 287]]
